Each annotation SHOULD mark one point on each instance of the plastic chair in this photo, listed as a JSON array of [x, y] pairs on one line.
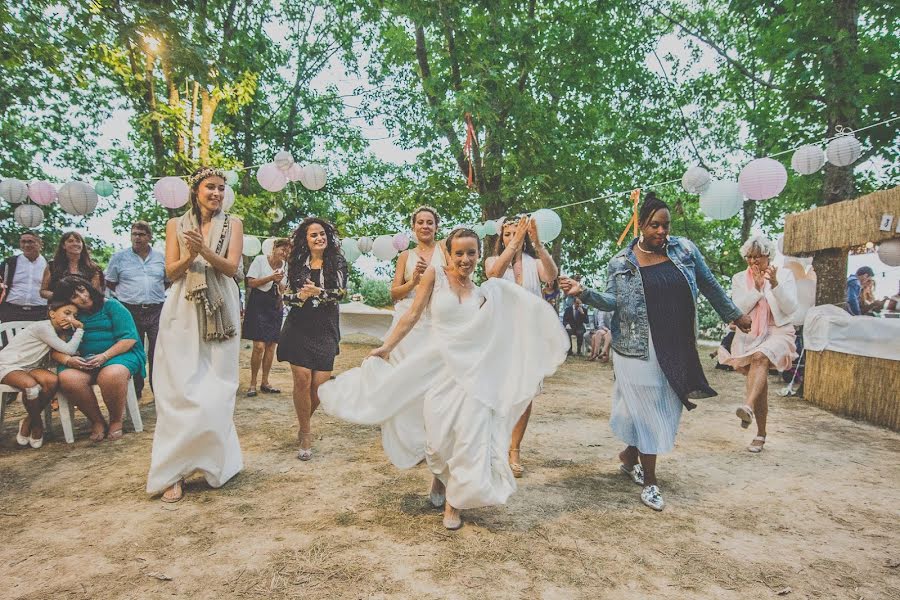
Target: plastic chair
[[8, 394]]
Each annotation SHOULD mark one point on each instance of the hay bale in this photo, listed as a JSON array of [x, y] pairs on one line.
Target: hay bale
[[856, 386], [841, 225]]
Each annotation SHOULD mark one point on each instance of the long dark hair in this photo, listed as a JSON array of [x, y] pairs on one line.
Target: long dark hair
[[196, 178], [500, 245], [87, 268], [67, 286], [649, 207], [334, 266]]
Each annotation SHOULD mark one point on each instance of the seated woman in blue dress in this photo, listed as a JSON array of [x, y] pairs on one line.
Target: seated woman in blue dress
[[109, 355]]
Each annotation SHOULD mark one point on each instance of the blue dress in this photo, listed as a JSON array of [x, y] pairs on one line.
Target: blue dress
[[112, 323]]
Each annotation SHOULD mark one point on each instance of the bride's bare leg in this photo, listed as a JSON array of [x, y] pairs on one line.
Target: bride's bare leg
[[452, 518], [437, 495]]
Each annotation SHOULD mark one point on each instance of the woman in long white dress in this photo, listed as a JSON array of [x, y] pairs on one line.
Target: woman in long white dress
[[520, 257], [195, 375], [454, 402]]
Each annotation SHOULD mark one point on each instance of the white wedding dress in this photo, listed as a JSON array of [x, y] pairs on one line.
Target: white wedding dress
[[455, 400], [194, 384]]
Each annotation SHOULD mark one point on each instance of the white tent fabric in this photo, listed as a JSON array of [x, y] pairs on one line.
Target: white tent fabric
[[828, 327]]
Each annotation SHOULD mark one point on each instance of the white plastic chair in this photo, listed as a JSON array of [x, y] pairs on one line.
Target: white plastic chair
[[8, 394], [67, 411]]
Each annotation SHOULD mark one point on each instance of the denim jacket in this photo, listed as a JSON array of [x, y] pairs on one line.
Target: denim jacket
[[624, 294]]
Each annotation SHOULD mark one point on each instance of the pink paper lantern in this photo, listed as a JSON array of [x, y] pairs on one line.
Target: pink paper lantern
[[42, 192], [401, 242], [762, 179], [271, 178], [295, 172], [313, 177], [172, 192]]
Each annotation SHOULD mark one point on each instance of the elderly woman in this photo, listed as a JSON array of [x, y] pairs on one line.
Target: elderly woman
[[110, 355], [769, 296]]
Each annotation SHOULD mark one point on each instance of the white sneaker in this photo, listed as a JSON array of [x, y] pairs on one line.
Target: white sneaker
[[36, 443], [651, 497], [21, 440]]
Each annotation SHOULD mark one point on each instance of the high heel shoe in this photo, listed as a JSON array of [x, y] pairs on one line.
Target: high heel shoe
[[305, 453]]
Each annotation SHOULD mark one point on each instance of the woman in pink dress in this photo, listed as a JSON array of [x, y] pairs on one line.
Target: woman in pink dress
[[769, 296]]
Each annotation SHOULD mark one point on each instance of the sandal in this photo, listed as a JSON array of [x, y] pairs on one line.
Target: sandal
[[305, 453], [99, 436], [757, 448], [453, 522], [177, 494], [517, 469], [745, 414], [437, 499], [112, 436], [636, 473], [269, 389], [651, 497], [251, 393]]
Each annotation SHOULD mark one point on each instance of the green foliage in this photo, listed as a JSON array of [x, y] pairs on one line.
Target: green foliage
[[375, 292]]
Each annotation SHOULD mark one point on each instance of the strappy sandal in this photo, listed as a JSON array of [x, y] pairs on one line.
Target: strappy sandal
[[745, 414], [636, 473], [112, 436], [517, 469], [251, 393], [269, 390], [99, 436], [757, 448], [178, 488], [305, 453]]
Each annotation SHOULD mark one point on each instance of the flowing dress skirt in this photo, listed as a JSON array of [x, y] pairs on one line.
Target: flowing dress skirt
[[195, 383]]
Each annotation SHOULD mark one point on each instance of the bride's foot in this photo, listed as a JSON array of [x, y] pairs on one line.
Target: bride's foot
[[437, 495], [174, 493], [452, 518], [517, 469], [305, 452]]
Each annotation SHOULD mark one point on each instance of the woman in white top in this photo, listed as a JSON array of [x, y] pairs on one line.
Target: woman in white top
[[266, 282], [769, 296], [520, 257], [25, 364]]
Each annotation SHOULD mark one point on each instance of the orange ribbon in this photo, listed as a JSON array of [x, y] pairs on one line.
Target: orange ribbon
[[635, 198], [471, 142]]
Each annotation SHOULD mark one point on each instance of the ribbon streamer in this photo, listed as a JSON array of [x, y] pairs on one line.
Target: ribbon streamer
[[635, 198], [471, 142]]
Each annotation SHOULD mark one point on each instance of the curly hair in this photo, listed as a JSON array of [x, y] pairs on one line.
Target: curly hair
[[334, 265], [428, 209], [500, 245]]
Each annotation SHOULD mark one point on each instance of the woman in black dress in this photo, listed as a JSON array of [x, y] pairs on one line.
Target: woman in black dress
[[317, 273]]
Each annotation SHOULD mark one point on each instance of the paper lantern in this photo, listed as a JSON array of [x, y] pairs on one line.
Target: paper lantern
[[721, 200], [807, 160], [762, 179], [77, 198], [888, 252], [283, 160], [252, 246], [171, 192], [271, 178], [478, 228], [383, 247], [276, 214], [13, 191], [268, 246], [231, 177], [549, 225], [104, 188], [295, 172], [351, 249], [28, 215], [364, 244], [490, 228], [401, 242], [228, 199], [42, 192], [843, 151], [695, 180], [313, 177]]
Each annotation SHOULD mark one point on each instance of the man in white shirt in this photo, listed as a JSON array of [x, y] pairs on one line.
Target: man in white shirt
[[21, 274]]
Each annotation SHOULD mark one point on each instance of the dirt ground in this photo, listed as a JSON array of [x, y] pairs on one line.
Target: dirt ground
[[814, 516]]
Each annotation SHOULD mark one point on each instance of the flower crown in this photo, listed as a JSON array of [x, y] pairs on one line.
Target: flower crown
[[203, 173]]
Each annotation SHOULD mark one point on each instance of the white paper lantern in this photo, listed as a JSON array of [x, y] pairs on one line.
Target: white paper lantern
[[721, 200], [478, 228], [228, 199], [42, 192], [762, 179], [313, 177], [252, 246], [888, 252], [271, 178], [364, 244], [276, 214], [808, 159], [843, 151], [29, 215], [172, 192], [351, 249], [283, 160], [268, 246], [77, 198], [13, 191], [695, 180], [490, 228], [549, 225], [295, 172], [231, 177], [383, 247]]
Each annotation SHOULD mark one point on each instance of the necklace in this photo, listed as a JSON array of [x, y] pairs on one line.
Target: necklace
[[644, 251]]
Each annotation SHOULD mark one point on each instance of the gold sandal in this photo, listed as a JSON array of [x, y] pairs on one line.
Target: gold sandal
[[178, 487], [517, 469]]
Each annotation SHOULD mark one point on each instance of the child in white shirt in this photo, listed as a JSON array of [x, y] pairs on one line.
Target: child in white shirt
[[25, 362]]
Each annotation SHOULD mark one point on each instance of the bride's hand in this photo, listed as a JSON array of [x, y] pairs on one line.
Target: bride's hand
[[381, 352]]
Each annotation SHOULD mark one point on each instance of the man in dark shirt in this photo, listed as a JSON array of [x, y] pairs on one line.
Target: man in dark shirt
[[574, 319]]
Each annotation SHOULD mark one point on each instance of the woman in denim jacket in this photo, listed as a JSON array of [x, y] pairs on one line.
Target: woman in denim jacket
[[652, 288]]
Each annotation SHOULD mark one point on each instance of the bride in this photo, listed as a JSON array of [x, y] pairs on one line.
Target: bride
[[455, 401], [195, 375]]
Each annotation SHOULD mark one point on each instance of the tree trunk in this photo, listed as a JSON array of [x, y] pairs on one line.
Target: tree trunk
[[748, 219], [207, 109], [195, 98], [174, 106], [247, 153]]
